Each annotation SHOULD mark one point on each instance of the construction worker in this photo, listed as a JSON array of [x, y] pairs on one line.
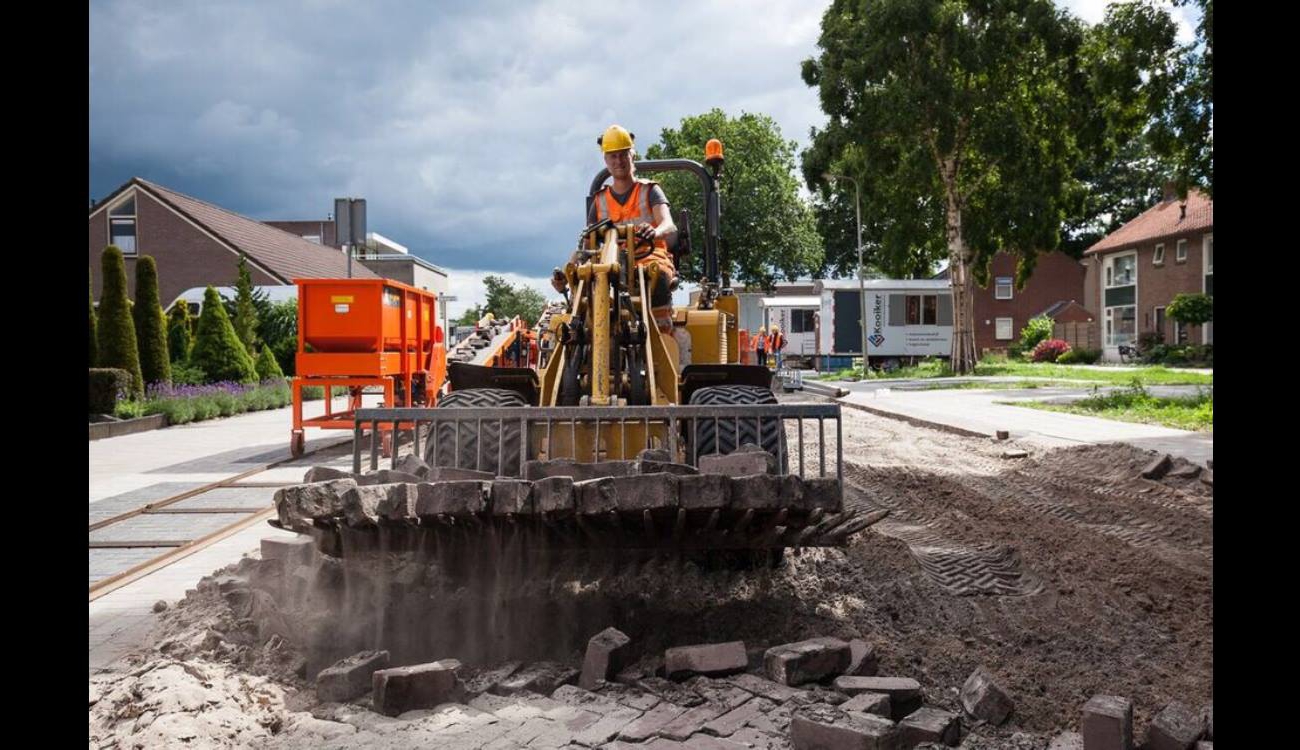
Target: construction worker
[[642, 204], [775, 343], [760, 346]]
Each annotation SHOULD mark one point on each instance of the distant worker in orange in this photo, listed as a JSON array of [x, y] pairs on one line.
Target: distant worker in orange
[[760, 346], [776, 343]]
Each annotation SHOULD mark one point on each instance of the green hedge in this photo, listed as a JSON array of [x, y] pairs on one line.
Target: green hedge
[[107, 386], [150, 328], [217, 349], [117, 345]]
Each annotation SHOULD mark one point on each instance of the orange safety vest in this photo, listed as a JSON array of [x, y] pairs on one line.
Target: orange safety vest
[[760, 342], [636, 211], [776, 342]]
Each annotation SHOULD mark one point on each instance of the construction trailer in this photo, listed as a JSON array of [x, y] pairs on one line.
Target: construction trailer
[[907, 320]]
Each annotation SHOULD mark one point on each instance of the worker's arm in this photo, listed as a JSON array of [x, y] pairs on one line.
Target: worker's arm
[[663, 220]]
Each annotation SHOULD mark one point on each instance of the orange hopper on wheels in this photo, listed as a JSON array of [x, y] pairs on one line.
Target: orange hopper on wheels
[[358, 333]]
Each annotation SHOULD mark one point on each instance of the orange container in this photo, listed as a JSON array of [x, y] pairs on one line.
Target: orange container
[[365, 333], [363, 316]]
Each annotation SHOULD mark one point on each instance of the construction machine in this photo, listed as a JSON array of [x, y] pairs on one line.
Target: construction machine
[[625, 435]]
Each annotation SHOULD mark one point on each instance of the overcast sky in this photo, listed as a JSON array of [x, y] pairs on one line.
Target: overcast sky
[[468, 128]]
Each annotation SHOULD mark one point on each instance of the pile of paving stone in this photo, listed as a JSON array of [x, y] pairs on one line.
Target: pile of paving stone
[[735, 501], [819, 693]]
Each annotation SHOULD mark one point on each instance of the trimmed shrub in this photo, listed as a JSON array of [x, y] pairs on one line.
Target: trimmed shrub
[[1087, 356], [1036, 331], [185, 373], [1191, 309], [245, 317], [150, 330], [217, 350], [179, 337], [108, 385], [117, 345], [94, 327], [1050, 350], [267, 367]]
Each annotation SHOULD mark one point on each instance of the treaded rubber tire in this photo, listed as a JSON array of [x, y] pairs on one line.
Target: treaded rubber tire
[[769, 435], [498, 440]]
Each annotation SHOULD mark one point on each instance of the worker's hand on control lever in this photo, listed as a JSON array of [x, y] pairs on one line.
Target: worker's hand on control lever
[[645, 233]]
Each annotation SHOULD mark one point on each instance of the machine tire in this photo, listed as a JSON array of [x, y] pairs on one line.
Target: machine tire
[[767, 434], [498, 440]]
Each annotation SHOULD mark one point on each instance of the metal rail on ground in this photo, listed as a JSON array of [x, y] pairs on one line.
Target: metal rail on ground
[[177, 549]]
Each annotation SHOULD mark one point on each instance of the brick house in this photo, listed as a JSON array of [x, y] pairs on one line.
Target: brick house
[[1054, 289], [198, 244], [1134, 272]]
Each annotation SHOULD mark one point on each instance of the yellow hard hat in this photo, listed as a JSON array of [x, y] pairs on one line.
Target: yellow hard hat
[[616, 138], [775, 329], [762, 329]]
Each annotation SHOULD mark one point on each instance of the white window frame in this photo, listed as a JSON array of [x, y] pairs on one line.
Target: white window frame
[[1011, 329], [920, 310], [1158, 257], [1110, 265], [315, 238], [998, 285], [1180, 255], [135, 223], [1111, 318], [1108, 313]]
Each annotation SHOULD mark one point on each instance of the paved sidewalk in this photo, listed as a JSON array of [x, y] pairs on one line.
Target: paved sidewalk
[[128, 471], [974, 411]]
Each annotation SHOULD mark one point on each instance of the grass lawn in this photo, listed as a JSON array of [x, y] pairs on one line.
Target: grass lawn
[[1136, 405], [1148, 375]]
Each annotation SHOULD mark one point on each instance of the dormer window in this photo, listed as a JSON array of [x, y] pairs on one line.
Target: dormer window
[[1158, 259]]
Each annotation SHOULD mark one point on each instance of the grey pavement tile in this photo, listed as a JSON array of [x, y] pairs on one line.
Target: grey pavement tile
[[111, 506], [166, 527], [105, 563], [229, 497]]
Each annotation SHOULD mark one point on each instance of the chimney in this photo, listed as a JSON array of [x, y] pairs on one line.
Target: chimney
[[1182, 211], [1171, 190]]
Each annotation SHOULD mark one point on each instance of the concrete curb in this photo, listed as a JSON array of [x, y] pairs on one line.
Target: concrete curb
[[915, 420], [823, 389], [101, 430]]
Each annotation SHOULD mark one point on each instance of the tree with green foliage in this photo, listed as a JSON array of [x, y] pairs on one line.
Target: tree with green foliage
[[217, 348], [505, 301], [245, 314], [277, 327], [117, 345], [966, 108], [267, 367], [901, 236], [179, 336], [94, 326], [150, 331], [767, 231], [1191, 309]]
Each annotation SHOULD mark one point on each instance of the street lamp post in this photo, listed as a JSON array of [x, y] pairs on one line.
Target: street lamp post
[[862, 283]]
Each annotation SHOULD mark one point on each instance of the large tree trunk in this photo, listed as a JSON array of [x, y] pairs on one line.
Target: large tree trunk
[[963, 315]]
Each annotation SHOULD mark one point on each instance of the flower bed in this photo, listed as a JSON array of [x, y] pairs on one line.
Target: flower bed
[[195, 403]]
